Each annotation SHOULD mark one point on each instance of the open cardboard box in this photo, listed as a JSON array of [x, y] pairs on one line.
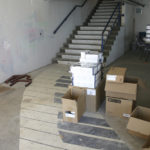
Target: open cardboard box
[[126, 90], [139, 122], [73, 103], [116, 74], [147, 144]]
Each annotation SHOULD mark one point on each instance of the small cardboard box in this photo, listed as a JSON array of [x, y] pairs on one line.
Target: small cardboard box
[[139, 122], [119, 107], [147, 144], [73, 103], [116, 74], [126, 90]]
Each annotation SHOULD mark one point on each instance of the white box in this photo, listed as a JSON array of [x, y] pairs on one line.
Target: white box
[[85, 84], [87, 57], [82, 77], [84, 68]]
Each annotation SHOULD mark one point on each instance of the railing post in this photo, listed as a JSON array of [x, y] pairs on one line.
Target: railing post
[[102, 44], [119, 16]]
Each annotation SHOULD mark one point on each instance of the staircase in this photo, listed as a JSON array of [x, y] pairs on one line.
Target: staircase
[[89, 36]]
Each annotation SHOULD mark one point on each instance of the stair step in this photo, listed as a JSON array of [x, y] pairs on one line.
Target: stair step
[[66, 61], [104, 10], [101, 20], [85, 46], [108, 4], [85, 28], [107, 1], [78, 51], [99, 24], [106, 7], [70, 56], [105, 13], [92, 32], [75, 41], [103, 17], [93, 37]]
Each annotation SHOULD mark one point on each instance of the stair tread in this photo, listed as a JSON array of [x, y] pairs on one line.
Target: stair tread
[[63, 53], [83, 44], [65, 59]]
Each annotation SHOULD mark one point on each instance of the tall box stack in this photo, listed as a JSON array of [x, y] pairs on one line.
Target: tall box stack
[[121, 92], [87, 75]]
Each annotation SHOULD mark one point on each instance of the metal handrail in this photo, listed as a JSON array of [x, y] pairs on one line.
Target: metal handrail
[[65, 19], [118, 18]]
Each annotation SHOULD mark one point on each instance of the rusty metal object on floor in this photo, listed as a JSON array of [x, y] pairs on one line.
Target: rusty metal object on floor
[[19, 78]]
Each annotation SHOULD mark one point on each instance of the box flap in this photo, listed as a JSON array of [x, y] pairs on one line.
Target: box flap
[[117, 71]]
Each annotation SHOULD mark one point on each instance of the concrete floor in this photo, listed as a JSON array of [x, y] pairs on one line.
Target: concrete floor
[[10, 104]]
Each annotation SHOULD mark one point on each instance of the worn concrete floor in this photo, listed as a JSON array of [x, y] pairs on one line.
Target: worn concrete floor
[[10, 103]]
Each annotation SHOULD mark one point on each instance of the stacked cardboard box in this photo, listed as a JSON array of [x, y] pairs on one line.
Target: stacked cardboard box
[[87, 89], [87, 75], [121, 92]]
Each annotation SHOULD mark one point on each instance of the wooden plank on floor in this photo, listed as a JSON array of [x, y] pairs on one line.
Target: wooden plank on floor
[[48, 139], [47, 117], [38, 125], [25, 144], [41, 108], [41, 102]]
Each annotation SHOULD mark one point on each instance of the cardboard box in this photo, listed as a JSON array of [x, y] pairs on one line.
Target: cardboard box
[[94, 96], [119, 107], [126, 90], [73, 103], [139, 122], [116, 74], [147, 144]]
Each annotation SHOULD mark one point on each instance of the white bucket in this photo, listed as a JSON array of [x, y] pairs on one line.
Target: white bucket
[[148, 27]]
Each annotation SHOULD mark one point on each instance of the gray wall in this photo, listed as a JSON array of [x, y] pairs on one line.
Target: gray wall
[[26, 32], [118, 47], [141, 20], [128, 22]]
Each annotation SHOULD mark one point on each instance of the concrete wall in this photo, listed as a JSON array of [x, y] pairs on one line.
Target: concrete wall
[[129, 25], [141, 20], [128, 21], [118, 47], [26, 32]]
